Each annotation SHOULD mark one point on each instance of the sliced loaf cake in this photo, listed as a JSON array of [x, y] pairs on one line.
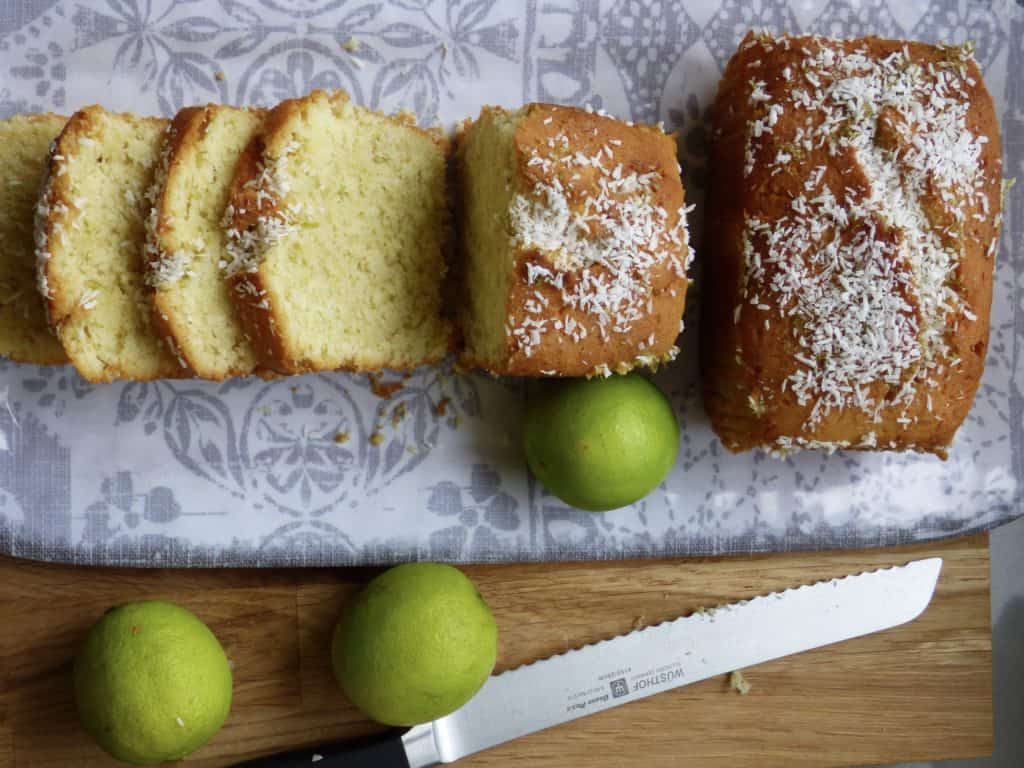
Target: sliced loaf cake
[[25, 335], [185, 243], [337, 222], [90, 240]]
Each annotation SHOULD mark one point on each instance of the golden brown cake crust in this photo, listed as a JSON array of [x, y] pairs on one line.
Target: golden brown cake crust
[[549, 332], [754, 331], [244, 211], [247, 206], [56, 211]]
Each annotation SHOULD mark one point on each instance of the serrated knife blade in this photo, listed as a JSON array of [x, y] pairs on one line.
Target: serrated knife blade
[[642, 663]]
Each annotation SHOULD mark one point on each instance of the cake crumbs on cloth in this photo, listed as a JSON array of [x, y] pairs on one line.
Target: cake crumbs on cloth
[[383, 389], [739, 683], [376, 438], [351, 45], [220, 76], [398, 414], [442, 406], [341, 437]]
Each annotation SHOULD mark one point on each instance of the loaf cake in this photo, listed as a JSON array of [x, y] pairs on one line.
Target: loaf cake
[[25, 335], [574, 243], [90, 240], [186, 244], [852, 228], [336, 225]]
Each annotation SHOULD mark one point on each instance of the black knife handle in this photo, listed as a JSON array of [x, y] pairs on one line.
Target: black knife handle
[[383, 750]]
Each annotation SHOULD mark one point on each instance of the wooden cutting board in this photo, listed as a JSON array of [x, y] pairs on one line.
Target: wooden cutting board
[[917, 692]]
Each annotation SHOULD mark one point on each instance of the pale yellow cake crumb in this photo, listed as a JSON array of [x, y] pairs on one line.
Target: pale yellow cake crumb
[[25, 335], [398, 414], [739, 683]]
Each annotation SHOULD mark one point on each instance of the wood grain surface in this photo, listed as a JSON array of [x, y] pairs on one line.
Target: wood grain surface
[[916, 692]]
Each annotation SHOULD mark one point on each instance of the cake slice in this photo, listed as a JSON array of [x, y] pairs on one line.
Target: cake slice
[[574, 243], [90, 240], [25, 335], [337, 222], [185, 243]]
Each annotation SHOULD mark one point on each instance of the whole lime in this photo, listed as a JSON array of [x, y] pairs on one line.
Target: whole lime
[[415, 644], [599, 444], [152, 682]]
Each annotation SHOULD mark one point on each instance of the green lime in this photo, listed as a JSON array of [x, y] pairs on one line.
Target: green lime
[[415, 644], [600, 444], [151, 682]]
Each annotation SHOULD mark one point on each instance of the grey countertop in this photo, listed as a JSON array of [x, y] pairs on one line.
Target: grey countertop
[[1007, 653]]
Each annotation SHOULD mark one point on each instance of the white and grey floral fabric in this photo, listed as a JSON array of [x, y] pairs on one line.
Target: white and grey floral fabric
[[249, 473]]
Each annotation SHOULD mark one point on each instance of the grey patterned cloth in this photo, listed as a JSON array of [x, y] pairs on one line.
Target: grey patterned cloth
[[249, 473]]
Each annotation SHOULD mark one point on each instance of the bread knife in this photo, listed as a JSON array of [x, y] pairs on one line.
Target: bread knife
[[642, 663]]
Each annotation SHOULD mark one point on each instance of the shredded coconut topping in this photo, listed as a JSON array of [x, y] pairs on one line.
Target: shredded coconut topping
[[169, 268], [88, 299], [246, 248], [869, 279], [598, 243]]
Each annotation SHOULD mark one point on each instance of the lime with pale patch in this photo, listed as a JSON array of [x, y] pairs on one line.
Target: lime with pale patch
[[415, 644], [600, 444], [152, 683]]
